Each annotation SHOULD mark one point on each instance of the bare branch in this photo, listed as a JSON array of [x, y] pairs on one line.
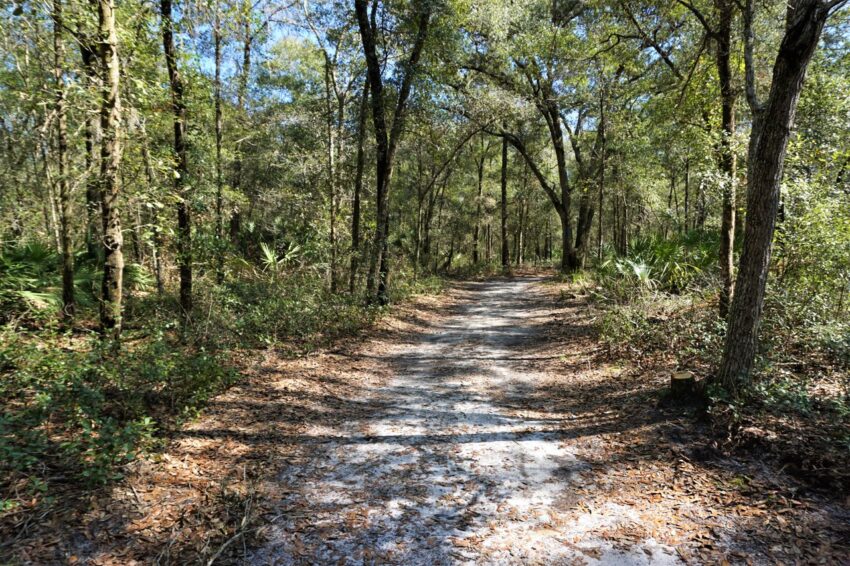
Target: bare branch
[[702, 19]]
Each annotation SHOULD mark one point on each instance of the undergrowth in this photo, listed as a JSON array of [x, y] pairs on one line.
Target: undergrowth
[[77, 410], [659, 310]]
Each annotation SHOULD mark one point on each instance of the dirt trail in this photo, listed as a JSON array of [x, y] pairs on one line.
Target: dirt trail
[[446, 463], [483, 426]]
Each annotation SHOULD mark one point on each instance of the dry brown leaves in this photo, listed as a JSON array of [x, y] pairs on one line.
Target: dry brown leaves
[[206, 495]]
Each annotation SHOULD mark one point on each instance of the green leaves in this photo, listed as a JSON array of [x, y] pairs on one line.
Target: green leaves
[[90, 412]]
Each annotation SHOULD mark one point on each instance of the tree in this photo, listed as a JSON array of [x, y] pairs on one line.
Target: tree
[[110, 163], [506, 259], [803, 26], [181, 169], [721, 34], [358, 185], [386, 141], [219, 174], [68, 306]]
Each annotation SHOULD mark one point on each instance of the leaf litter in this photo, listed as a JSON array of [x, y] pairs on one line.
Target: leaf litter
[[482, 426]]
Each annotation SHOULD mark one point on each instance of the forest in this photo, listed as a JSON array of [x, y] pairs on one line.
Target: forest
[[425, 282]]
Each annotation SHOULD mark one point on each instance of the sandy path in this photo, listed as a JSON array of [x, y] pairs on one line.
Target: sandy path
[[443, 466]]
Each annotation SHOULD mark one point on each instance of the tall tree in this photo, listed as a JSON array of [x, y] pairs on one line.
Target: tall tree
[[386, 141], [358, 185], [91, 137], [65, 244], [181, 169], [506, 259], [219, 175], [476, 229], [110, 163], [803, 26], [721, 33]]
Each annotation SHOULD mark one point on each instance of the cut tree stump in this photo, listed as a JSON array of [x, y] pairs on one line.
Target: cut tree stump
[[682, 385]]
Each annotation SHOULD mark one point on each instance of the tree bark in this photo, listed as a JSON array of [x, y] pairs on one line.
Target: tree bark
[[156, 239], [603, 120], [91, 137], [585, 223], [332, 173], [65, 244], [110, 162], [358, 186], [181, 170], [219, 179], [687, 193], [804, 24], [386, 141], [570, 260], [723, 37], [504, 204], [477, 227], [241, 104]]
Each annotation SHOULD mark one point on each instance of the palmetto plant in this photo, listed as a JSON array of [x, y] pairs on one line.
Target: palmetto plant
[[274, 262], [28, 278], [30, 283]]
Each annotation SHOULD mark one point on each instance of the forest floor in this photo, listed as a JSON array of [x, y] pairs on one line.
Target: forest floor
[[484, 425]]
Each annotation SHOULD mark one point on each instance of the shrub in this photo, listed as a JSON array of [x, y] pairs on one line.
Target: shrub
[[89, 411]]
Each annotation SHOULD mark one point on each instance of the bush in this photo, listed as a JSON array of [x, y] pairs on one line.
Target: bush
[[88, 411], [31, 285], [675, 265]]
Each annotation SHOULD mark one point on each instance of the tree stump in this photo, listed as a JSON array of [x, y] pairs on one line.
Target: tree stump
[[682, 385]]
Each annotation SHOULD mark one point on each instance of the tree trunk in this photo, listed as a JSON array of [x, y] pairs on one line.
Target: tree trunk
[[520, 248], [687, 193], [386, 141], [332, 176], [477, 228], [219, 179], [723, 38], [181, 171], [358, 186], [570, 260], [110, 162], [68, 304], [241, 104], [804, 24], [504, 186], [585, 223], [91, 137], [599, 223], [489, 240], [156, 239]]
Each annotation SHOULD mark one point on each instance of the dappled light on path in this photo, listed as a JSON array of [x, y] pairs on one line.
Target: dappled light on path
[[440, 469]]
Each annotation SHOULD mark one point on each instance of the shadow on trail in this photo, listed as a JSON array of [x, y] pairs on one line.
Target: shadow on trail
[[393, 474]]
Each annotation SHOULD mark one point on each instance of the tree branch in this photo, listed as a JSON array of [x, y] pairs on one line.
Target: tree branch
[[709, 30]]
